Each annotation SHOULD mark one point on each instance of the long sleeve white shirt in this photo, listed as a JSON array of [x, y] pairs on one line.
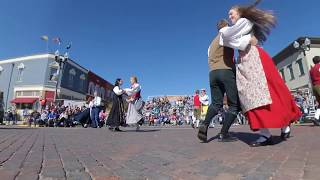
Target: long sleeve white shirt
[[204, 100], [117, 90], [237, 36], [96, 101]]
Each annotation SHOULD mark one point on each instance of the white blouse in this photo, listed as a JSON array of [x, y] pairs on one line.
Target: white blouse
[[237, 36], [204, 99], [118, 91], [134, 89]]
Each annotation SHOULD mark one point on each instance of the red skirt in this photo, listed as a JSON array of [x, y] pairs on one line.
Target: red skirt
[[283, 109]]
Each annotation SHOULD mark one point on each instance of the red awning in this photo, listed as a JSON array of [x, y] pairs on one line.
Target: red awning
[[24, 100]]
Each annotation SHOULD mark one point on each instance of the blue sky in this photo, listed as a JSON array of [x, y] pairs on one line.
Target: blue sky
[[163, 42]]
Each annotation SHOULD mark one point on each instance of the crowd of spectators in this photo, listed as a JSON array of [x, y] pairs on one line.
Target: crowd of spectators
[[306, 102], [53, 116], [161, 111], [157, 111]]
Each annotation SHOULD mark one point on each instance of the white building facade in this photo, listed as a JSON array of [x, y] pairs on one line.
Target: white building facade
[[294, 64]]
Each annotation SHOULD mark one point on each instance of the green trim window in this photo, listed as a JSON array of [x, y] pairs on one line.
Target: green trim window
[[299, 62], [291, 72], [282, 74]]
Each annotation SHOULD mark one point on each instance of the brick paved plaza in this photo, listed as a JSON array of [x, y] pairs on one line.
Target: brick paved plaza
[[154, 153]]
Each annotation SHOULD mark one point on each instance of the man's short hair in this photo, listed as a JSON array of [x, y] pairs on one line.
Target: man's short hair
[[316, 59], [222, 23]]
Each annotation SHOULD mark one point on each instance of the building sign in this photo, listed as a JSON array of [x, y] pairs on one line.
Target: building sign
[[74, 78], [96, 83]]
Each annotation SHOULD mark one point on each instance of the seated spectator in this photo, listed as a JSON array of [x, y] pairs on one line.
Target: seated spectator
[[35, 117], [151, 120], [43, 118]]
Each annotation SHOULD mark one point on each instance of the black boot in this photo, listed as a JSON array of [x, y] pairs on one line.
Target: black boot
[[228, 120], [203, 131]]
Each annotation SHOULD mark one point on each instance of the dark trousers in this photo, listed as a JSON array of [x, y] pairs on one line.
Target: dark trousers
[[223, 81], [95, 116]]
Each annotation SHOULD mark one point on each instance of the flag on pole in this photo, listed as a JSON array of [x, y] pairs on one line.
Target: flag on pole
[[45, 37], [56, 40], [69, 45]]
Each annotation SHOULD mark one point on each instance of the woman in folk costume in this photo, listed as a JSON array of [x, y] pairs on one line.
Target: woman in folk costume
[[134, 114], [116, 116], [264, 96]]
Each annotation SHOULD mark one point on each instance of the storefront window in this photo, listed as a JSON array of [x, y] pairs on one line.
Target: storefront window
[[24, 105], [53, 71], [82, 81], [20, 71], [27, 93], [291, 72], [282, 74], [299, 62], [72, 74]]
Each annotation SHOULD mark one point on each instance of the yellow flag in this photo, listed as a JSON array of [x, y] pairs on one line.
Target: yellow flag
[[45, 38]]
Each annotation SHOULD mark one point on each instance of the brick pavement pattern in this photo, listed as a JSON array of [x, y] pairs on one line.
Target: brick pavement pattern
[[154, 153]]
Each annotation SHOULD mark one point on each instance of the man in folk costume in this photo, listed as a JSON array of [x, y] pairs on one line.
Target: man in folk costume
[[265, 99], [222, 81]]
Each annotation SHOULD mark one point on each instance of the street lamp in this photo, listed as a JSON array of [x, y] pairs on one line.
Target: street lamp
[[60, 59], [304, 47]]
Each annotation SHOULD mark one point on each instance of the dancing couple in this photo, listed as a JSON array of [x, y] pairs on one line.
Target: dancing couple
[[253, 84], [134, 115]]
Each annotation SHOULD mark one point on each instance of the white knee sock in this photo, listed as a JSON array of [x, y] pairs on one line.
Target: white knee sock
[[285, 129], [265, 133]]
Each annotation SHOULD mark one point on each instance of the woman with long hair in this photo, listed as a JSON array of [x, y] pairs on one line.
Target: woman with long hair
[[265, 99], [116, 116]]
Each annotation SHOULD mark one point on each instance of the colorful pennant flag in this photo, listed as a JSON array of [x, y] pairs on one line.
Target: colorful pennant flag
[[69, 45], [56, 40]]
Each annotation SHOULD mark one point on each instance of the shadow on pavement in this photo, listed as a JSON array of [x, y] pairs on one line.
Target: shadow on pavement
[[143, 130], [212, 139], [250, 137], [18, 128]]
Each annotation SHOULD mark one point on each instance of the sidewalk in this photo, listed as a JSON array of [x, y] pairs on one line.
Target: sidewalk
[[154, 153]]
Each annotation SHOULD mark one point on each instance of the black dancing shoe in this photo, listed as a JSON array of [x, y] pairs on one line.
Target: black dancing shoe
[[202, 134], [118, 130], [285, 136], [267, 142], [110, 128], [227, 138]]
